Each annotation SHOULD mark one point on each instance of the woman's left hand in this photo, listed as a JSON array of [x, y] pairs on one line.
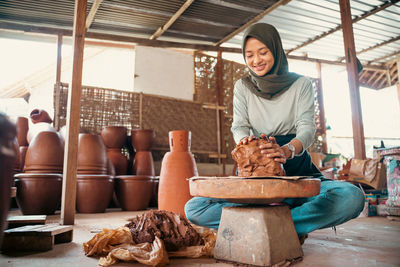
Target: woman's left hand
[[272, 149]]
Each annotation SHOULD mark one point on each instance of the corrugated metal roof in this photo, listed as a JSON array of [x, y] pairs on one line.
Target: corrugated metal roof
[[306, 26]]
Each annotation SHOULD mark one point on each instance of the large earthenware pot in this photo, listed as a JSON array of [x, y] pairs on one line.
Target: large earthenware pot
[[143, 139], [133, 191], [22, 131], [40, 115], [93, 193], [38, 193], [37, 128], [92, 157], [7, 157], [45, 153], [22, 156], [119, 161], [144, 163], [114, 136], [176, 167], [17, 160]]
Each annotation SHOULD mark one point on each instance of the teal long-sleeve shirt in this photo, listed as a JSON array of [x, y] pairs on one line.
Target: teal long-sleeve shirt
[[290, 112]]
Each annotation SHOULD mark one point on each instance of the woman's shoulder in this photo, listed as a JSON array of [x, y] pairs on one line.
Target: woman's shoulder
[[240, 85]]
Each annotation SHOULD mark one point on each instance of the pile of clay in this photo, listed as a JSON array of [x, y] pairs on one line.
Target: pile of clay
[[174, 229], [251, 162]]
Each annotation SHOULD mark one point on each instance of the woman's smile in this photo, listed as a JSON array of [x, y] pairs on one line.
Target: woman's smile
[[258, 57]]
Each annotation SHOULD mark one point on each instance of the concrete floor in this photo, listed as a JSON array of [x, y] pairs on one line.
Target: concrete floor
[[372, 241]]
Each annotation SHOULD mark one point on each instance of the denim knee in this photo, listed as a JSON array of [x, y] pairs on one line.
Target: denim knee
[[194, 208], [352, 201]]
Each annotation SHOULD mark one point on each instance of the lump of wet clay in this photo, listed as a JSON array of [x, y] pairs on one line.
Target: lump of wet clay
[[174, 229], [251, 162]]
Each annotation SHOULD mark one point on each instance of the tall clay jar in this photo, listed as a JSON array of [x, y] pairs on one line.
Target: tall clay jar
[[142, 140], [176, 167]]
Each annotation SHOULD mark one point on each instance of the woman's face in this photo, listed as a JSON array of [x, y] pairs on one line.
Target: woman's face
[[258, 57]]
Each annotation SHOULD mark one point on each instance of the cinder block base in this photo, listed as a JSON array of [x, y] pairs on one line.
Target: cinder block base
[[261, 236]]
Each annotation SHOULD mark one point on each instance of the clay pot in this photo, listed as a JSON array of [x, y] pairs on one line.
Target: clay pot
[[22, 131], [45, 154], [37, 128], [40, 115], [133, 191], [143, 139], [22, 156], [119, 161], [93, 193], [17, 160], [144, 163], [92, 156], [7, 157], [38, 193], [176, 167], [114, 136], [154, 195]]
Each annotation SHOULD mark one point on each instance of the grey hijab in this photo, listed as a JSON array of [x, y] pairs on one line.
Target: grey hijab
[[278, 79]]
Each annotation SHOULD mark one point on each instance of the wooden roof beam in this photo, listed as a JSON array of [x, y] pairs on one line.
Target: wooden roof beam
[[92, 13], [165, 27], [378, 79], [376, 46], [366, 14], [234, 6], [255, 19], [396, 53]]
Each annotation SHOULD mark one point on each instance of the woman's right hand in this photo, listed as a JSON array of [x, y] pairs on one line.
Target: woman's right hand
[[245, 140]]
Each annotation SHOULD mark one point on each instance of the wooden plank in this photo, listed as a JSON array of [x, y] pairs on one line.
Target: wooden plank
[[92, 13], [165, 27], [59, 56], [320, 99], [68, 200], [352, 72], [220, 113], [18, 221]]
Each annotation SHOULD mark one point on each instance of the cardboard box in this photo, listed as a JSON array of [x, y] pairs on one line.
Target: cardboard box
[[379, 181]]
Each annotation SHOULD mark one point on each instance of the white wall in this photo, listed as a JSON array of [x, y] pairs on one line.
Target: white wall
[[164, 72]]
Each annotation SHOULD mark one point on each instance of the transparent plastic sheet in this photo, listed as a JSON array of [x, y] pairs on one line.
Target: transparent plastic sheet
[[117, 244]]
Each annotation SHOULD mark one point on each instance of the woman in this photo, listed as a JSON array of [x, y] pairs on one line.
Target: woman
[[279, 103]]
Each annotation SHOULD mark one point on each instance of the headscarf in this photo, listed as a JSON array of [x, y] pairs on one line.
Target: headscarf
[[278, 79]]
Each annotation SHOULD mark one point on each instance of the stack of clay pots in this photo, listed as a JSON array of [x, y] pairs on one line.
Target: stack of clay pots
[[94, 184], [114, 137], [39, 187], [22, 133], [135, 191]]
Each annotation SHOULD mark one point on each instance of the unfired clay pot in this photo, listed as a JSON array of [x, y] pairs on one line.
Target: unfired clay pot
[[22, 131], [176, 167], [45, 154], [40, 115], [133, 191], [22, 155], [119, 161], [92, 157], [144, 163], [114, 136], [7, 157], [143, 139], [37, 128], [93, 193], [38, 193], [17, 160]]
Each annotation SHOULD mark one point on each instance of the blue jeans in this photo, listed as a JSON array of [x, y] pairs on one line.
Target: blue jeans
[[337, 203]]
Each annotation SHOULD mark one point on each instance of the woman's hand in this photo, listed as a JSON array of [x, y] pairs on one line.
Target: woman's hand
[[245, 140], [272, 149]]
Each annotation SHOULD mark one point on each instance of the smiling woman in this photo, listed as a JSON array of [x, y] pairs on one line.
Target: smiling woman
[[258, 57]]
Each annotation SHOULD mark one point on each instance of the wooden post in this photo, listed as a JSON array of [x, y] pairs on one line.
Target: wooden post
[[352, 72], [73, 117], [320, 99], [59, 55], [220, 99]]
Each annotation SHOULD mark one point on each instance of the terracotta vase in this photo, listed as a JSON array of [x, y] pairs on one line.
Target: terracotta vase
[[133, 191], [144, 163], [37, 128], [119, 161], [114, 136], [154, 195], [176, 167], [93, 193], [92, 155], [7, 157], [143, 139], [45, 154], [22, 156], [40, 115], [22, 131], [38, 193]]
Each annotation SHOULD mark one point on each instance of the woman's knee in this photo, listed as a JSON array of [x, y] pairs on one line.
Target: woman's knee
[[349, 199]]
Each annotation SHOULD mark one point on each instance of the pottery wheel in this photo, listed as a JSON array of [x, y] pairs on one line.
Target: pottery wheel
[[262, 190]]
